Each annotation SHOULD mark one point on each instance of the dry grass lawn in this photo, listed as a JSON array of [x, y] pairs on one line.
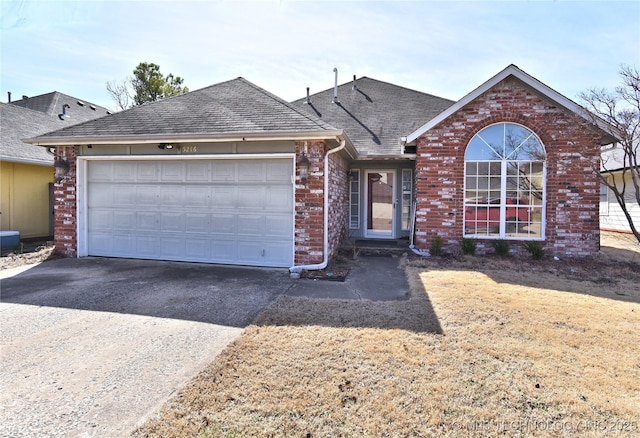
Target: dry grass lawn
[[483, 347]]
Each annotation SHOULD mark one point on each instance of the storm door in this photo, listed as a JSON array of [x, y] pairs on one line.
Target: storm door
[[381, 203]]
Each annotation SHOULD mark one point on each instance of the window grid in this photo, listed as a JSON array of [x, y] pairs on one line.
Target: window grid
[[407, 193], [354, 200], [504, 197]]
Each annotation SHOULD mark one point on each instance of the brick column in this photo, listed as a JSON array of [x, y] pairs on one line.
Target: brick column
[[309, 205], [65, 217]]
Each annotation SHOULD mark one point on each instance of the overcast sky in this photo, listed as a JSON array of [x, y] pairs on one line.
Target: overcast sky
[[443, 48]]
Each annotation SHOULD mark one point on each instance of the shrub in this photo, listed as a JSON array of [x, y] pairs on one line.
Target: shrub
[[535, 249], [501, 247], [469, 246], [436, 246]]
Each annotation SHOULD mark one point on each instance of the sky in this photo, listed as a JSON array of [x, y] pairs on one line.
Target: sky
[[444, 48]]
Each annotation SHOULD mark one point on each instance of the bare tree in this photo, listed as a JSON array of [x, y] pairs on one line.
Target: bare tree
[[120, 93], [621, 109]]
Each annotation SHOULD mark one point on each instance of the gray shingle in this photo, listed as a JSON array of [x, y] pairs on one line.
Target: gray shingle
[[51, 104], [376, 114], [18, 123], [235, 106]]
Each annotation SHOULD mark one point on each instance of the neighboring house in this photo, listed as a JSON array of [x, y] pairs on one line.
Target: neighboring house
[[233, 174], [26, 171], [615, 168]]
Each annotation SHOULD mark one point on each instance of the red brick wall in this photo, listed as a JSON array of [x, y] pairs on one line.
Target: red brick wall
[[64, 216], [572, 217], [309, 206], [338, 201]]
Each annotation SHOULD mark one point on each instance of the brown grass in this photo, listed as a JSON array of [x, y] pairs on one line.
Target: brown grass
[[483, 347]]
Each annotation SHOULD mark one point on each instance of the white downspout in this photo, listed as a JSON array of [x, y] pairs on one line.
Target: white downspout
[[295, 270]]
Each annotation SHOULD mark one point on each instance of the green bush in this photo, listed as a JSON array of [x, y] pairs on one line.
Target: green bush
[[436, 246], [501, 247], [535, 249], [469, 246]]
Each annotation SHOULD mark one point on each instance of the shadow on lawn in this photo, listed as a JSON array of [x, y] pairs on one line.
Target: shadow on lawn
[[414, 314], [596, 276]]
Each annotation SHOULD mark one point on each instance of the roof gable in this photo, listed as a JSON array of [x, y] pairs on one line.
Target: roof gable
[[528, 80], [375, 114], [232, 109]]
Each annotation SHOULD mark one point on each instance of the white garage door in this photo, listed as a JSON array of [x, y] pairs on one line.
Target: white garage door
[[232, 211]]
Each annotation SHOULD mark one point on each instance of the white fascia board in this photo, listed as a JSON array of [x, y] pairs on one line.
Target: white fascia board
[[186, 138], [530, 81], [28, 161]]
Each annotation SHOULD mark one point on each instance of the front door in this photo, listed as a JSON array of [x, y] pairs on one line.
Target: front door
[[381, 202]]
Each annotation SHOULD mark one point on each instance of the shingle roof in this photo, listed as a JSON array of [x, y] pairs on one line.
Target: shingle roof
[[18, 123], [376, 114], [51, 104], [232, 107]]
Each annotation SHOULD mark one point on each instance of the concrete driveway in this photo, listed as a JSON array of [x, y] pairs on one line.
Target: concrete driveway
[[92, 346]]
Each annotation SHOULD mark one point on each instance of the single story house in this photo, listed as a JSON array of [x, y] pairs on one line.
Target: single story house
[[617, 169], [26, 171], [233, 174]]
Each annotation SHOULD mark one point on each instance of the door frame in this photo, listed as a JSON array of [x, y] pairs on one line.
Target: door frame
[[372, 234]]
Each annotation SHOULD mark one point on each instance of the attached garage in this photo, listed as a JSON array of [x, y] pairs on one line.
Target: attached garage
[[226, 209]]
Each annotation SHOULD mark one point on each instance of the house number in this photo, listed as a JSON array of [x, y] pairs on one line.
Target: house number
[[189, 149]]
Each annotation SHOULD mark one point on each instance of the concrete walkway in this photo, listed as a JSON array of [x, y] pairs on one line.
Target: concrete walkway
[[375, 278]]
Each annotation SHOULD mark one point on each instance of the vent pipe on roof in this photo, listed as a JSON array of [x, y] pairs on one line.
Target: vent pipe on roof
[[354, 87], [335, 87], [64, 115], [308, 98], [24, 97], [9, 94]]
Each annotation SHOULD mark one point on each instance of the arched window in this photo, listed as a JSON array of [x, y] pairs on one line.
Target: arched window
[[505, 180]]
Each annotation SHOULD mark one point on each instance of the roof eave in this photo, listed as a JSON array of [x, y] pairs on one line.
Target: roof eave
[[184, 138], [512, 70]]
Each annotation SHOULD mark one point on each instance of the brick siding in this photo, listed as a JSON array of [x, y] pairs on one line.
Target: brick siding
[[309, 204], [64, 209], [572, 217]]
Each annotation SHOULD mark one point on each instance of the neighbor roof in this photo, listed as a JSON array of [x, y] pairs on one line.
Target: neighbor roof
[[17, 123], [52, 103], [236, 109], [375, 114]]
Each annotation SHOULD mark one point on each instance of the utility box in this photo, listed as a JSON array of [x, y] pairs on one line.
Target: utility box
[[9, 239]]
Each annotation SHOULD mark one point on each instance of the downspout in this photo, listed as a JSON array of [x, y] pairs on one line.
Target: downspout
[[412, 247], [295, 270]]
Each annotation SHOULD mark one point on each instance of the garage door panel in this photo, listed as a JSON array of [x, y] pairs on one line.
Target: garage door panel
[[124, 220], [172, 171], [197, 171], [232, 211], [278, 171], [223, 197], [172, 248], [196, 223], [225, 224], [146, 195], [101, 195], [172, 222], [223, 171], [147, 221], [197, 197], [147, 246], [173, 196], [278, 226], [147, 171], [250, 225], [251, 171], [251, 197], [278, 198]]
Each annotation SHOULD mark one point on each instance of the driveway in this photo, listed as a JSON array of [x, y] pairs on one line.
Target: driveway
[[92, 346]]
